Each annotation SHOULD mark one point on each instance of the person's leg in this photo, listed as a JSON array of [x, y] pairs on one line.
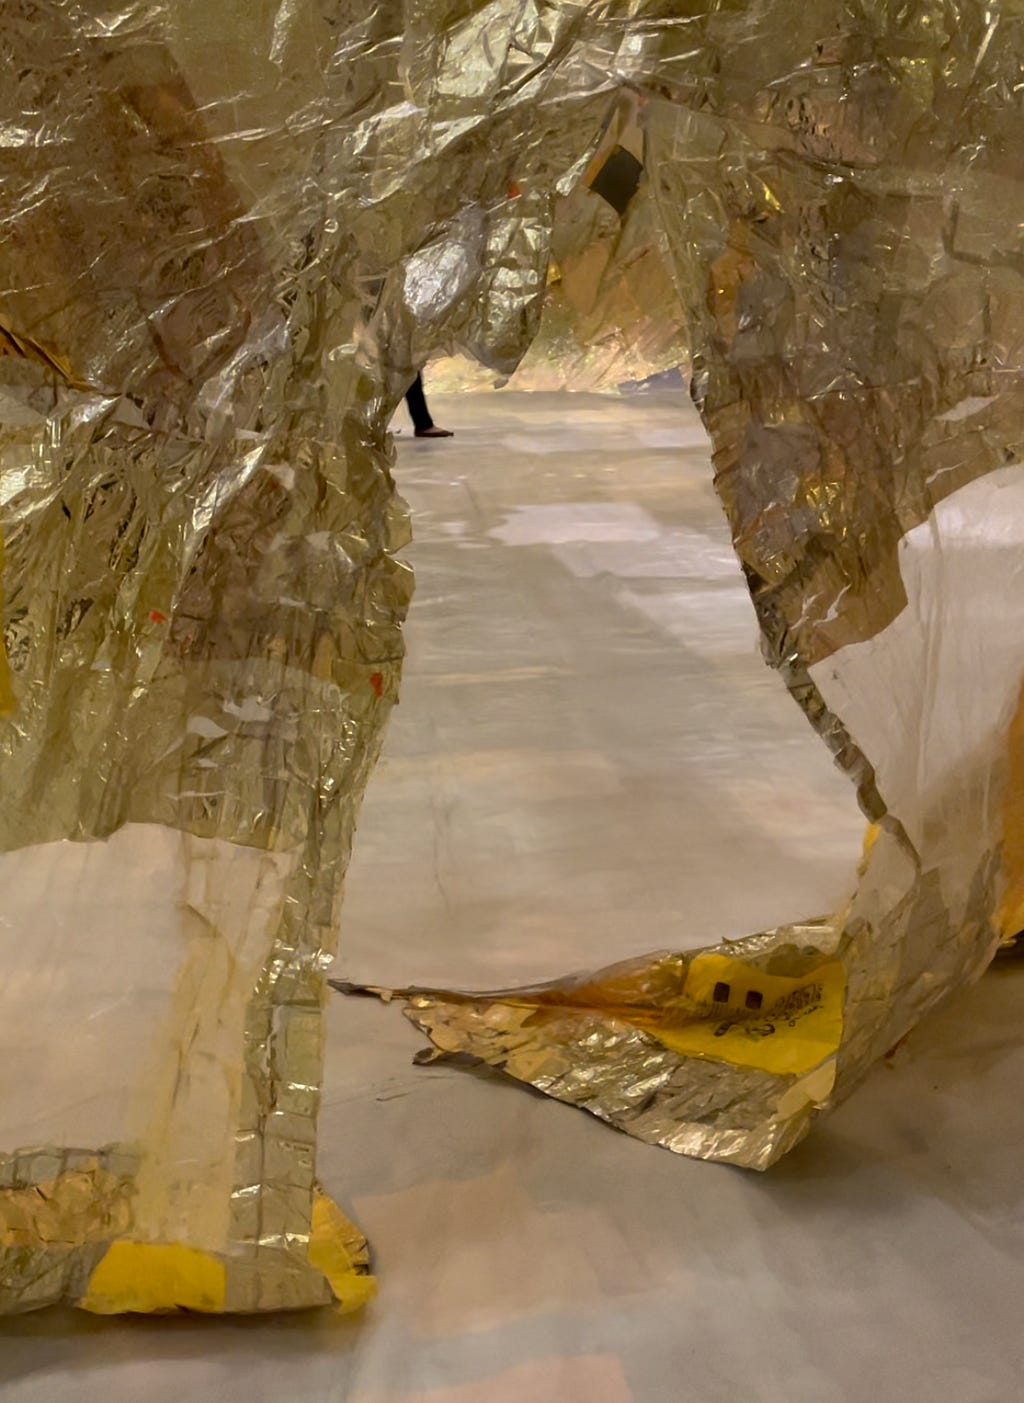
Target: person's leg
[[422, 422], [417, 402]]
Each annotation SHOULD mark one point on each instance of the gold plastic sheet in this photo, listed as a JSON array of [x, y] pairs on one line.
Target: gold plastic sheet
[[841, 202], [612, 318], [231, 235]]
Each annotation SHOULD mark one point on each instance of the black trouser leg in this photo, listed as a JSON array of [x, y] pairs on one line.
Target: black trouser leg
[[417, 402]]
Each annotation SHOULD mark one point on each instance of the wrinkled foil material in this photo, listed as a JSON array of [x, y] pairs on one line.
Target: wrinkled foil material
[[232, 234], [847, 256], [611, 319]]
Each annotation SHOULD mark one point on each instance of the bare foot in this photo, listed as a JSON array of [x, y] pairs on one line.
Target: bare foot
[[435, 432]]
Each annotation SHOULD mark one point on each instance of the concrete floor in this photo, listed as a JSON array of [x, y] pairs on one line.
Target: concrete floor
[[591, 761]]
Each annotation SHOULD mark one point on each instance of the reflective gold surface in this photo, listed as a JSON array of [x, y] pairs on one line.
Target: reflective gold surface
[[845, 261], [232, 234]]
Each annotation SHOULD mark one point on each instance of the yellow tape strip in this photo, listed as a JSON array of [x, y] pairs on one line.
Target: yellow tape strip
[[329, 1244]]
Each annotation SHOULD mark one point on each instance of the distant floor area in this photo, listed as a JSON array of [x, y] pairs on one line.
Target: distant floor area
[[590, 759]]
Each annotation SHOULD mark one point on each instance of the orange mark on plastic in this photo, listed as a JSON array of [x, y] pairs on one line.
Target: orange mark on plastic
[[377, 683], [155, 617], [513, 190]]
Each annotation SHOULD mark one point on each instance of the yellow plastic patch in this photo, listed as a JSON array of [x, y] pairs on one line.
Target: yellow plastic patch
[[736, 1013], [330, 1252], [140, 1276]]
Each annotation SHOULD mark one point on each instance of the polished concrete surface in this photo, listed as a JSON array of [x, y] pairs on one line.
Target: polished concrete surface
[[591, 761]]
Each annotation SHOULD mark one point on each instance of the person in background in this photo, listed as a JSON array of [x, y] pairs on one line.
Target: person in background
[[421, 420]]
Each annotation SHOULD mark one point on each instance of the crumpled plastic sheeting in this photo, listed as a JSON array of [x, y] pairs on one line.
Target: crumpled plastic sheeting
[[232, 234], [839, 192], [612, 318]]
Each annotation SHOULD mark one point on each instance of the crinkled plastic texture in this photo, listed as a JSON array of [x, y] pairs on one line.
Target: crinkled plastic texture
[[612, 319], [232, 234], [840, 195]]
